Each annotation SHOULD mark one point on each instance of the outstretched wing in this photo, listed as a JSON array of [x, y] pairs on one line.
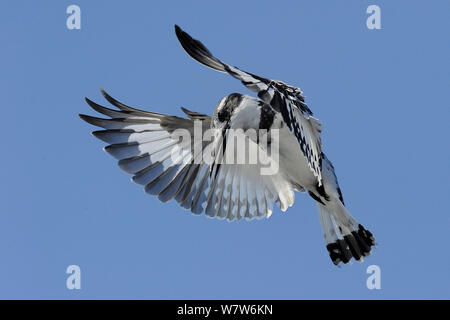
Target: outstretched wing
[[286, 99], [149, 147]]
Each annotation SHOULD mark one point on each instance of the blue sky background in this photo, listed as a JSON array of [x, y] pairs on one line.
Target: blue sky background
[[382, 96]]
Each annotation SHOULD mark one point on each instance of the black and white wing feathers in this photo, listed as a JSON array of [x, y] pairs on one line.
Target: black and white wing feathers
[[146, 145], [286, 99]]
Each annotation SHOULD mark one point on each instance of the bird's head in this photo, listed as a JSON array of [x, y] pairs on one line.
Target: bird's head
[[225, 108]]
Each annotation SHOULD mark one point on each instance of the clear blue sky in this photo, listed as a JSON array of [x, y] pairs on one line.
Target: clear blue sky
[[382, 96]]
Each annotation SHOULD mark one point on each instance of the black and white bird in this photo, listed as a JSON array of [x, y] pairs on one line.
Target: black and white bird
[[145, 143]]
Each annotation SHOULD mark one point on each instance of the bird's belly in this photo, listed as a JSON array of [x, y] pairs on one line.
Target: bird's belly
[[293, 163]]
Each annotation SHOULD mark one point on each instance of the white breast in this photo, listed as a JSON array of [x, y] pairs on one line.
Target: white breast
[[293, 163]]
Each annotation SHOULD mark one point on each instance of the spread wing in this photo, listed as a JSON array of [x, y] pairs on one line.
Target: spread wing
[[286, 99], [149, 147]]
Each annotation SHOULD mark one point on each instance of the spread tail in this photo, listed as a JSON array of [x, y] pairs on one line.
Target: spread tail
[[345, 238]]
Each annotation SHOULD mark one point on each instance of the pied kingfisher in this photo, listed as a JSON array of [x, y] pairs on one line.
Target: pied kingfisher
[[145, 143]]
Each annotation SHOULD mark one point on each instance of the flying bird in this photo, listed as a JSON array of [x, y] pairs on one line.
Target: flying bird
[[148, 146]]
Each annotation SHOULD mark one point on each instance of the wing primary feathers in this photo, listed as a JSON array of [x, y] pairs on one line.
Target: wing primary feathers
[[130, 110], [194, 115], [198, 51], [106, 111], [233, 212], [172, 188], [118, 104], [227, 189]]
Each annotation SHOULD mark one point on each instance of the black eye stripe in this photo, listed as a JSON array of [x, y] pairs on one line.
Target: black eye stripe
[[231, 102]]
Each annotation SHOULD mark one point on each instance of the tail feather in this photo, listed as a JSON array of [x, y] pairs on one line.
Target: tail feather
[[345, 238]]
